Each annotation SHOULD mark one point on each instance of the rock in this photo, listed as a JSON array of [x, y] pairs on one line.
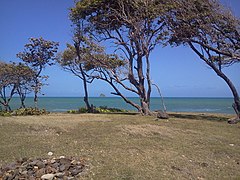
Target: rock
[[53, 161], [10, 166], [45, 169], [62, 168], [162, 115], [21, 160], [65, 161], [34, 162], [24, 172], [48, 176], [59, 175], [76, 171], [234, 120], [74, 162], [40, 172], [40, 164], [31, 172], [56, 165], [50, 153], [65, 164], [70, 178]]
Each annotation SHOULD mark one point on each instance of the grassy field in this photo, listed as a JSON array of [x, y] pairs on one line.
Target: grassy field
[[187, 146]]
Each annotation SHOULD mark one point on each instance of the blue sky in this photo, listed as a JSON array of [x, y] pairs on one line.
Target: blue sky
[[178, 71]]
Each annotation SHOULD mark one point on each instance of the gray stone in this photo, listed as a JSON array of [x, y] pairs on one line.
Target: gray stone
[[40, 172], [162, 115], [59, 175], [45, 169], [75, 172], [62, 167], [56, 165], [24, 172], [40, 164], [11, 166], [65, 161], [34, 162], [47, 176]]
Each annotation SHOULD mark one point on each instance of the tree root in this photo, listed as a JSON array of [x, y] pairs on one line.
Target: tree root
[[234, 120]]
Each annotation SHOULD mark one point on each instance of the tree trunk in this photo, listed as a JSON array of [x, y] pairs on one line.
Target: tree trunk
[[6, 106], [35, 100], [236, 104], [22, 97], [144, 97], [145, 110], [86, 97], [22, 102], [86, 100]]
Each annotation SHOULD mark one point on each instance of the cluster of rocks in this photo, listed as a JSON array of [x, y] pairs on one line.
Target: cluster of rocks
[[43, 169]]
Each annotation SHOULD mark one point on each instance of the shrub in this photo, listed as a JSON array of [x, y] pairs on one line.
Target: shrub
[[5, 113], [105, 109], [29, 111], [73, 111], [100, 109], [82, 110]]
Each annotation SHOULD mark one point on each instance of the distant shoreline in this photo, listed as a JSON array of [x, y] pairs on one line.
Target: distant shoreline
[[221, 105]]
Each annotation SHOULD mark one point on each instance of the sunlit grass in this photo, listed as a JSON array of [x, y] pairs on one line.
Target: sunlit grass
[[187, 146]]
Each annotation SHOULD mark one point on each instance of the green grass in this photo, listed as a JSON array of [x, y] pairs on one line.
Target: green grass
[[187, 146]]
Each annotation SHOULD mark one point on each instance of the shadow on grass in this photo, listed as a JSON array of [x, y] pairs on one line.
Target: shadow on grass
[[121, 113], [208, 117]]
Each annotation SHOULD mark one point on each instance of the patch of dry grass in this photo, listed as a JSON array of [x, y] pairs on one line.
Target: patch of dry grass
[[187, 146]]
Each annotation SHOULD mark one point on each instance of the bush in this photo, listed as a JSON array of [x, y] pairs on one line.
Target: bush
[[100, 109], [105, 109], [29, 111], [73, 111], [82, 110], [5, 113]]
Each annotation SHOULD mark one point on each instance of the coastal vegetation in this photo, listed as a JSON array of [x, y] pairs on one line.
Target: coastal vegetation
[[212, 32], [14, 79], [100, 109], [113, 42], [134, 28], [38, 53]]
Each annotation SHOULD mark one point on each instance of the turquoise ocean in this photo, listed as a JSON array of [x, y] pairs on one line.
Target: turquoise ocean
[[62, 104]]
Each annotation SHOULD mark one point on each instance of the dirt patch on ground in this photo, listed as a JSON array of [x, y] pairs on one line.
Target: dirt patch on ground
[[148, 130], [43, 130]]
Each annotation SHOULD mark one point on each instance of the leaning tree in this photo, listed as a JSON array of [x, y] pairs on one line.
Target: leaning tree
[[38, 53], [88, 61], [134, 27], [212, 32]]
